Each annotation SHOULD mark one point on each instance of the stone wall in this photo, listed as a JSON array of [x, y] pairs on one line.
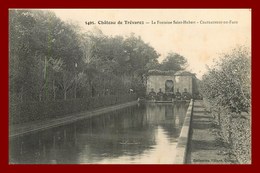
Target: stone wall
[[156, 82], [183, 140], [179, 82]]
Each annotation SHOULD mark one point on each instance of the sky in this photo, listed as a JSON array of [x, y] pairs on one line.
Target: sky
[[198, 41]]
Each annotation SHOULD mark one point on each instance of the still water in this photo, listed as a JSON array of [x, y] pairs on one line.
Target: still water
[[140, 134]]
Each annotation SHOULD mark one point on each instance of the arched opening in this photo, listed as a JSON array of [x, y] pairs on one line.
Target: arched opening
[[169, 86]]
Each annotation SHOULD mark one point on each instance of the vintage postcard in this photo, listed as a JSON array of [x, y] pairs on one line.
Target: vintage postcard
[[130, 86]]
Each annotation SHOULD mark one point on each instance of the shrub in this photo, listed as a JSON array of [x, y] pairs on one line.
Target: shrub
[[31, 111], [228, 83], [226, 89]]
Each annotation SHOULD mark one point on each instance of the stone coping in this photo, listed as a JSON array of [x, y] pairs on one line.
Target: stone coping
[[182, 145]]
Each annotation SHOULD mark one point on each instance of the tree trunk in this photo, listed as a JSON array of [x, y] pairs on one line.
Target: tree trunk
[[40, 96], [92, 91], [54, 90], [65, 94], [219, 123], [230, 131], [75, 91], [21, 95]]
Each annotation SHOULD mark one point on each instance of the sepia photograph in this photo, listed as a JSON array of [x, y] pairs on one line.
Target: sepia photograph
[[130, 86]]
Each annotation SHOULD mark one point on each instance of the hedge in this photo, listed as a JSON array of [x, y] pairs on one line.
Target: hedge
[[235, 129], [31, 111]]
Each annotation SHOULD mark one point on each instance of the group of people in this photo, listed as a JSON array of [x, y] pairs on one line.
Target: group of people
[[169, 96]]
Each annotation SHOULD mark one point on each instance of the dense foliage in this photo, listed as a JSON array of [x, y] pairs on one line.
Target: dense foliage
[[44, 52], [173, 62], [51, 59], [228, 83], [227, 93]]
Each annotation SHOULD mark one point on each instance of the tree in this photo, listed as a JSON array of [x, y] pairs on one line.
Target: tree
[[174, 62], [49, 58], [41, 47], [228, 83], [140, 54], [124, 59]]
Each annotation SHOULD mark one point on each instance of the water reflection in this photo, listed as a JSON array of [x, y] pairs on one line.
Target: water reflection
[[138, 134]]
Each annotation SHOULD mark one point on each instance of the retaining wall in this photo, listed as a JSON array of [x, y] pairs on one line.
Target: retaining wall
[[183, 141]]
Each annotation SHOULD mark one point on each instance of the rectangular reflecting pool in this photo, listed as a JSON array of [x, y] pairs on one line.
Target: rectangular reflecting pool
[[140, 134]]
